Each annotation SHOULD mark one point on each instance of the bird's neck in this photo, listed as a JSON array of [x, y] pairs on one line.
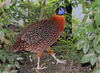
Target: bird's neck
[[59, 20]]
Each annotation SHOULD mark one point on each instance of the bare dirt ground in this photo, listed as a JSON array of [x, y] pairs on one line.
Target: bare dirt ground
[[52, 67]]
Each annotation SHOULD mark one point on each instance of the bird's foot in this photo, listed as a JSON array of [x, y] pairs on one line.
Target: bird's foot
[[61, 61], [41, 68]]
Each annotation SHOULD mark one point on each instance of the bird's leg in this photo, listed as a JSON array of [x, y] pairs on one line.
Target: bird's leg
[[38, 64], [53, 55]]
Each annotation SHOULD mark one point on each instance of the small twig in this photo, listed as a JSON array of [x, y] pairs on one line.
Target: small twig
[[29, 12], [97, 62], [42, 10], [3, 3]]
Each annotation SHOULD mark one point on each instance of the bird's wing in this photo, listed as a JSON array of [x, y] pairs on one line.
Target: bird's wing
[[39, 31]]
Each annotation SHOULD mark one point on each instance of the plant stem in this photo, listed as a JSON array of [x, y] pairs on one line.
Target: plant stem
[[97, 62]]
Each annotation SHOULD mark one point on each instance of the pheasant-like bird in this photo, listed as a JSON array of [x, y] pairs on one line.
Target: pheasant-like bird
[[39, 36]]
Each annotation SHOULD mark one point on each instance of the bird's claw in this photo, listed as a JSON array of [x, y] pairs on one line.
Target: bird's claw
[[61, 61], [41, 68]]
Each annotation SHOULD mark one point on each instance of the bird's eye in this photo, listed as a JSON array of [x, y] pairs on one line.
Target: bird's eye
[[60, 8]]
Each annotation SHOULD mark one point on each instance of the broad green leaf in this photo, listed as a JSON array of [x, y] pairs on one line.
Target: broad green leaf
[[90, 28], [95, 41], [13, 71], [97, 49], [86, 47], [10, 65], [17, 64], [13, 55], [11, 60], [79, 47], [6, 30], [2, 52], [85, 18], [19, 58], [86, 58], [96, 70], [93, 60], [3, 58], [97, 19], [81, 42]]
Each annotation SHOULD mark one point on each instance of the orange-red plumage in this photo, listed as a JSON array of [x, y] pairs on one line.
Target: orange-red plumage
[[39, 36]]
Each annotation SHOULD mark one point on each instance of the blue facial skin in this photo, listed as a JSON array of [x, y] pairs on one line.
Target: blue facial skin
[[61, 11]]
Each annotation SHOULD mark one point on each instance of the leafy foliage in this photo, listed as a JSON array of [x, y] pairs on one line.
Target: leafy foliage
[[9, 60], [88, 34]]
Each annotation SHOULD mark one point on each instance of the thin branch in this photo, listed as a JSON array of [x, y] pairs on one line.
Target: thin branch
[[97, 62], [29, 11], [3, 3], [42, 10]]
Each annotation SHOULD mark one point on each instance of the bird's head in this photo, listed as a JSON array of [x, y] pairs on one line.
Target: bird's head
[[60, 10]]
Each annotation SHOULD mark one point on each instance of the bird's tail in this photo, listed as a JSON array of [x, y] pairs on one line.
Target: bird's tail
[[17, 46]]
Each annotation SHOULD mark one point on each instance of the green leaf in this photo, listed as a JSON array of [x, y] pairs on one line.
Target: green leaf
[[10, 65], [14, 55], [99, 37], [17, 64], [19, 58], [11, 60], [97, 49], [86, 47], [0, 71], [90, 28], [13, 71], [3, 58], [23, 12], [21, 24], [81, 42], [2, 35], [69, 1], [93, 60], [79, 47], [95, 41], [81, 2], [86, 58], [96, 70], [85, 18], [84, 9]]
